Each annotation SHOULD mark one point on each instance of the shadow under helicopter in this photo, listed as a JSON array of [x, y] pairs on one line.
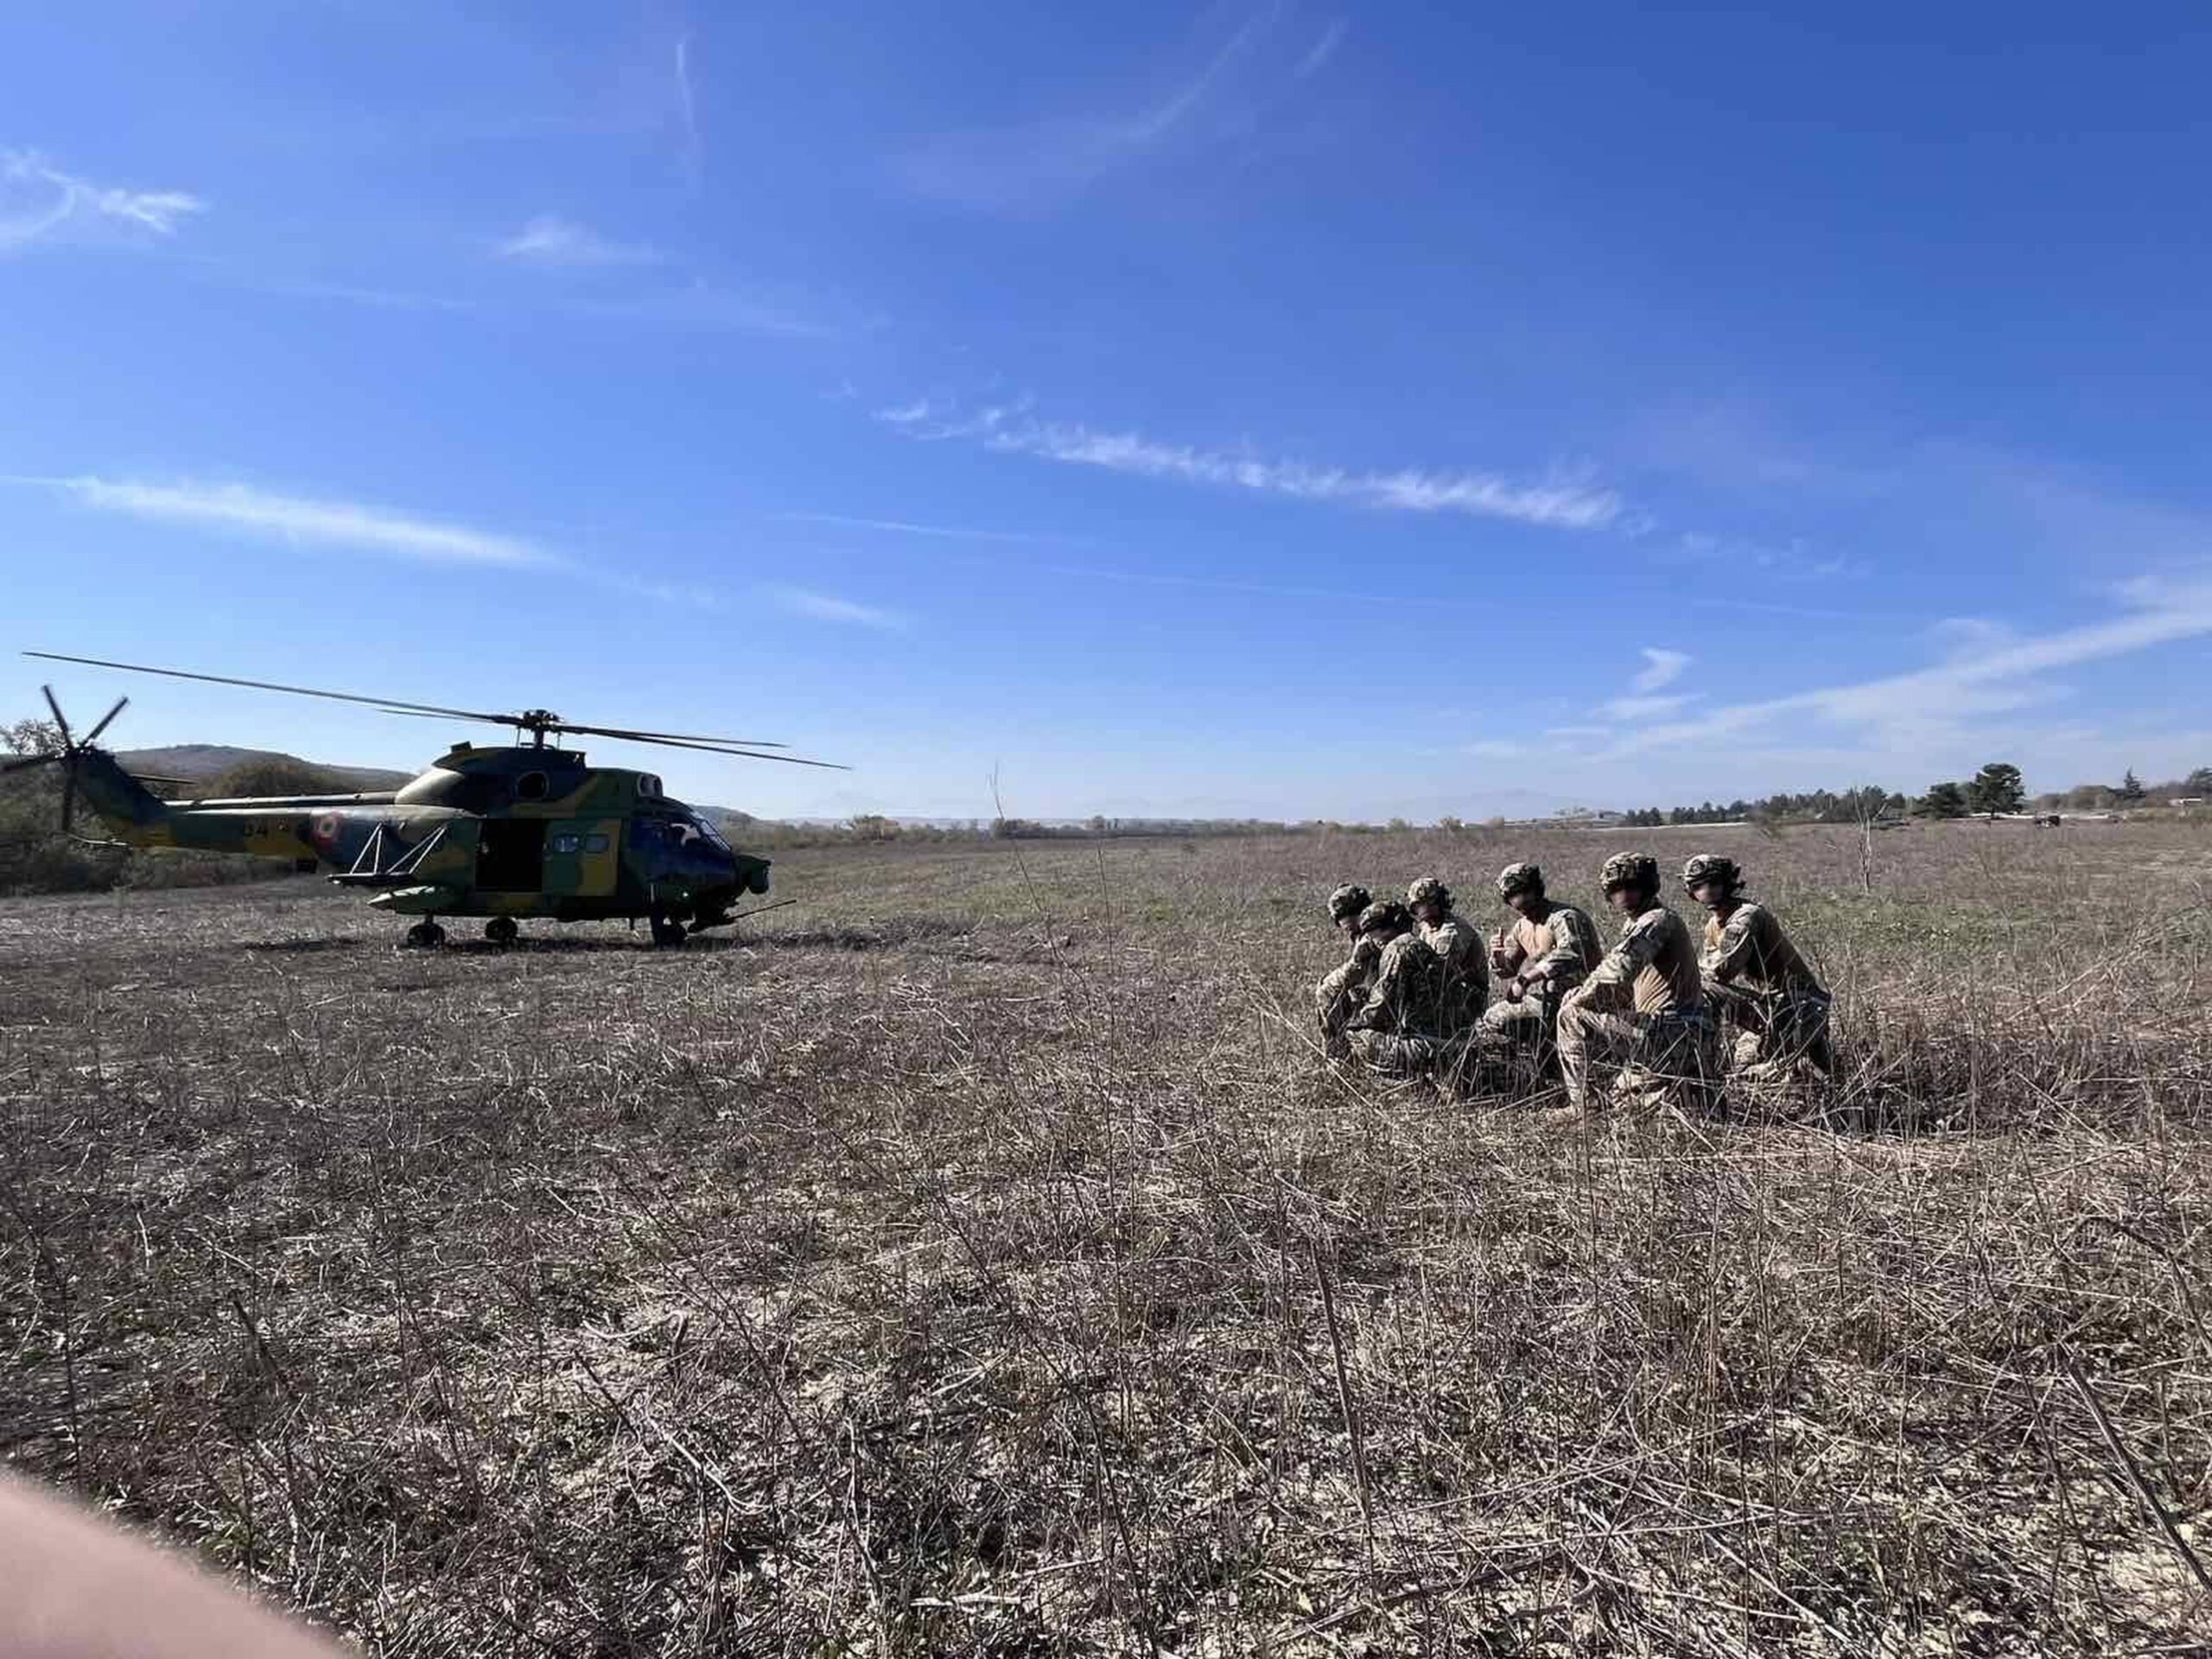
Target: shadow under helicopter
[[913, 931]]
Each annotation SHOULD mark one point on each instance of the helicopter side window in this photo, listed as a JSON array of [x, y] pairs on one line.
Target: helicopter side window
[[595, 843], [530, 786], [564, 843]]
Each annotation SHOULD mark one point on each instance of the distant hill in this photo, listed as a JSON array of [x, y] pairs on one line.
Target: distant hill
[[204, 762]]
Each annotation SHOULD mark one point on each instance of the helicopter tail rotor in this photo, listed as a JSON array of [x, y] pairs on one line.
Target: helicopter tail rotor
[[69, 756]]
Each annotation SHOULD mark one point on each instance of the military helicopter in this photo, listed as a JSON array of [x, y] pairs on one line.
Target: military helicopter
[[508, 833]]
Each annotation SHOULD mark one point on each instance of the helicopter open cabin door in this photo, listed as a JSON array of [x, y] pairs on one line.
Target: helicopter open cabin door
[[581, 858], [510, 855]]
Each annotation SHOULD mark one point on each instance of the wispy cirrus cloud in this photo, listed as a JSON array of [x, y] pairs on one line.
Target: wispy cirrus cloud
[[687, 110], [1794, 560], [38, 200], [1647, 699], [358, 527], [829, 607], [907, 527], [1987, 669], [1034, 164], [1323, 50], [1661, 667], [302, 520], [380, 299], [1567, 500], [1632, 709], [550, 239]]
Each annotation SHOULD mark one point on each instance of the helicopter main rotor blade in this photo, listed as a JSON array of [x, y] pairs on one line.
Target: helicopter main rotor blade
[[616, 731], [668, 737], [27, 762], [60, 719], [383, 708], [740, 754], [743, 748], [708, 746], [93, 736], [393, 703]]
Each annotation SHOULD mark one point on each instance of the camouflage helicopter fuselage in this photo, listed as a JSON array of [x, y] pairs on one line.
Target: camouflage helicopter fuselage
[[500, 832]]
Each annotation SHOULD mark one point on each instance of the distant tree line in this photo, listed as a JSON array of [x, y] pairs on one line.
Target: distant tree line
[[1815, 806], [1997, 788], [2130, 790], [875, 826]]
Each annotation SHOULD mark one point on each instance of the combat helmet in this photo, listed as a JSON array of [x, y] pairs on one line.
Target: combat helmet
[[1348, 901], [1520, 878], [1389, 915], [1429, 890], [1702, 867], [1630, 870]]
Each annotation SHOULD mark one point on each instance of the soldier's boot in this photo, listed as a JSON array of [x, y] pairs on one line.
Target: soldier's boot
[[1572, 1045], [1819, 1053]]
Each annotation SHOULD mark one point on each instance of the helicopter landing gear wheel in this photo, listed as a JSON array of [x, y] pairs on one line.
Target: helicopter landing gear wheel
[[426, 936], [502, 931], [666, 932]]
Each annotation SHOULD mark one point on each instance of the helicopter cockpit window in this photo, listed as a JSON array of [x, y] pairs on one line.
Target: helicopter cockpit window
[[530, 786], [700, 827]]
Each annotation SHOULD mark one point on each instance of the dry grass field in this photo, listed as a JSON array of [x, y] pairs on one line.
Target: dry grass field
[[976, 1257]]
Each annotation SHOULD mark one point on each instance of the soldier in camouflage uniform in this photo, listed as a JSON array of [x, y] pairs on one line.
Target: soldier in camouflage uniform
[[1456, 942], [1541, 955], [1641, 1008], [1403, 1029], [1756, 980], [1339, 995]]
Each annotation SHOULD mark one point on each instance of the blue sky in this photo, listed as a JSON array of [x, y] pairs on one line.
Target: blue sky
[[1253, 409]]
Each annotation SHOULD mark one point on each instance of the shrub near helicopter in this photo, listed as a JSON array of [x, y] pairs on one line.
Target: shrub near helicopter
[[508, 833]]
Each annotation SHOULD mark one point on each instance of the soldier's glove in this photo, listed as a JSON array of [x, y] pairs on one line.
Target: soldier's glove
[[1517, 988]]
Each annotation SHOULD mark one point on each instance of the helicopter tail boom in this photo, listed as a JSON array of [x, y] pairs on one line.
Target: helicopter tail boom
[[271, 828], [136, 813]]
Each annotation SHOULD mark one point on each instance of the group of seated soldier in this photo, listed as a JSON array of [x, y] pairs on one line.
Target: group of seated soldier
[[1414, 998]]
